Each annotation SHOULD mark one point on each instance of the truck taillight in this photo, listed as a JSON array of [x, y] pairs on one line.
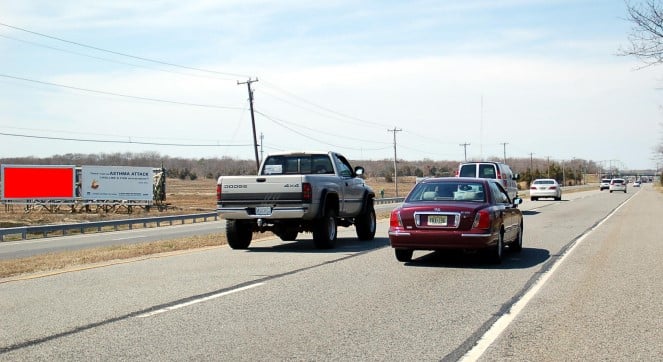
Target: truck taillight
[[482, 220], [307, 192], [395, 219], [456, 173], [218, 192]]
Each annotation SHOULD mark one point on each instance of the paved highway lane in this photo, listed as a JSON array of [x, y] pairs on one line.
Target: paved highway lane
[[605, 301], [26, 248], [289, 301]]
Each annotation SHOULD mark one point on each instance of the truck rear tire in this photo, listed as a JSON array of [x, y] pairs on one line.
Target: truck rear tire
[[324, 230], [238, 234], [365, 224]]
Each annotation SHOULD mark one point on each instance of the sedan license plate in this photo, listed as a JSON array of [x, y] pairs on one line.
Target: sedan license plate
[[437, 220], [263, 210]]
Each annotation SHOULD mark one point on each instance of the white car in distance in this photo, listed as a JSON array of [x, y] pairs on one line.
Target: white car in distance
[[617, 184], [545, 187]]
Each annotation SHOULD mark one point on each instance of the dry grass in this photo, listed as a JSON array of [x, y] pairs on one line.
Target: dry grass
[[183, 197], [47, 264]]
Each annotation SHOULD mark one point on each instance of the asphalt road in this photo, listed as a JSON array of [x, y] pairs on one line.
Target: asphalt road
[[26, 248], [587, 286]]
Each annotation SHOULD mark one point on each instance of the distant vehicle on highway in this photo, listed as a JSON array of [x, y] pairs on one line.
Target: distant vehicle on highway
[[636, 183], [605, 184], [546, 187], [617, 184], [457, 213], [493, 170]]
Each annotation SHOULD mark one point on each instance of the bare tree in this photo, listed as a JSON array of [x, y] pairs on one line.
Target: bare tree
[[646, 36]]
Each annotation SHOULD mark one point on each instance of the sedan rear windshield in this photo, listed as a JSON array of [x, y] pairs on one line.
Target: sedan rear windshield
[[544, 182], [447, 191]]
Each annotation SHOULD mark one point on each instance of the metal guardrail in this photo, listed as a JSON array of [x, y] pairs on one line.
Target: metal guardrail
[[390, 200], [44, 230]]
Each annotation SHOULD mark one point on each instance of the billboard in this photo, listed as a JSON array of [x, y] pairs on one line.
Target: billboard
[[116, 183], [31, 182]]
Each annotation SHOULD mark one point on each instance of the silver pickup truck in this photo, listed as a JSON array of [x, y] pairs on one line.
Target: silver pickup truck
[[297, 192]]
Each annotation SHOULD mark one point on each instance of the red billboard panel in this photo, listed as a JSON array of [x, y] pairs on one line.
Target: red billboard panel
[[38, 182]]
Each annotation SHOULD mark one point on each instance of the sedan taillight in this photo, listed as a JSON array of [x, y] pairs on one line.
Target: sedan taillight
[[482, 220], [395, 219]]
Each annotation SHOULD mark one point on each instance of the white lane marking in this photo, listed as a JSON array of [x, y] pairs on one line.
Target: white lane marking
[[196, 301], [505, 320]]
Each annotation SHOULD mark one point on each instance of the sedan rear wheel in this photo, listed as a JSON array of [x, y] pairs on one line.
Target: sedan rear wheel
[[403, 255], [517, 244], [495, 253]]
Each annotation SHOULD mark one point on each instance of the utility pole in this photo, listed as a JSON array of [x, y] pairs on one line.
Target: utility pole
[[253, 119], [395, 167], [531, 159], [504, 145], [262, 137], [464, 145]]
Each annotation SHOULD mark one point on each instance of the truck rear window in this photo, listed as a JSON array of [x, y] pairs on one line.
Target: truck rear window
[[297, 165], [468, 171]]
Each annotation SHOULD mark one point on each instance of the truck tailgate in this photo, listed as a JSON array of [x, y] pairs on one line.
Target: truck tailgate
[[272, 189]]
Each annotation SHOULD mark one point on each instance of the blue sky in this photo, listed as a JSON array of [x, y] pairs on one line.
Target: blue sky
[[161, 76]]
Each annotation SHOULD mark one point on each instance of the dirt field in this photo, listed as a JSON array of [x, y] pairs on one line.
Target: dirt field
[[182, 197]]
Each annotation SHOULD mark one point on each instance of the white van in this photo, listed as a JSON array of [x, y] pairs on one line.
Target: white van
[[496, 170]]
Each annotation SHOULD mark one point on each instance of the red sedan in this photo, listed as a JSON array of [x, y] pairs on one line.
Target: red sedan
[[457, 213]]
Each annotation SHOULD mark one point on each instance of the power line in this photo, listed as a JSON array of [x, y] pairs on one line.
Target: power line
[[280, 123], [331, 111], [169, 71], [323, 108], [329, 114], [118, 141], [110, 60], [344, 136], [123, 54], [121, 95], [284, 124]]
